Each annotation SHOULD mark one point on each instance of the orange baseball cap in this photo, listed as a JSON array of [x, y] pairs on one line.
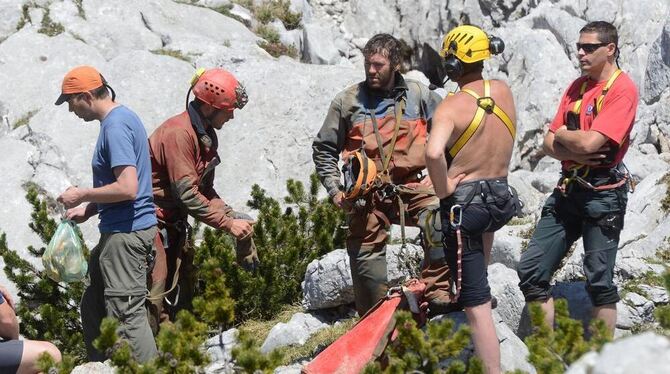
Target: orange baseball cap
[[80, 79]]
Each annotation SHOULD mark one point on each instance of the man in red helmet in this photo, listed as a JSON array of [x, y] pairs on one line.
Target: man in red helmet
[[183, 157]]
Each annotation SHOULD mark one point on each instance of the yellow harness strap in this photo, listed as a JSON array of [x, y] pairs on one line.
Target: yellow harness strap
[[599, 103], [485, 104]]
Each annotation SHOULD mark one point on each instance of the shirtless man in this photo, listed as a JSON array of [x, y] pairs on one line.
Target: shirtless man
[[467, 156]]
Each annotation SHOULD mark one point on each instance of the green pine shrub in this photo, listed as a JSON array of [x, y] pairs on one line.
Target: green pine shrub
[[249, 359], [47, 310], [286, 241], [179, 347], [418, 351], [553, 350]]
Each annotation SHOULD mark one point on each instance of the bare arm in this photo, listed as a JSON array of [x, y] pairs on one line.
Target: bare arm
[[123, 189], [9, 325], [557, 150], [580, 141], [436, 161]]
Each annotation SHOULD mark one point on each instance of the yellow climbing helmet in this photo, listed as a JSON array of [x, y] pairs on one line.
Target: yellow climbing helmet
[[470, 44]]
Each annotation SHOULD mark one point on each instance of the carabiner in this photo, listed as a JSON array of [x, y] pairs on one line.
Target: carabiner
[[452, 215]]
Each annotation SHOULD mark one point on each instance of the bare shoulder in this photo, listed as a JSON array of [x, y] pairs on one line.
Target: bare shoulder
[[500, 87], [451, 102]]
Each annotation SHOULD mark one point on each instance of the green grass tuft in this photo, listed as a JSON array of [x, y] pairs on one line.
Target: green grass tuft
[[23, 121], [172, 53], [272, 44], [48, 26]]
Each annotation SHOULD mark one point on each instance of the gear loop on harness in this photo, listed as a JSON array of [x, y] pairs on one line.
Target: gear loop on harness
[[623, 178], [565, 184]]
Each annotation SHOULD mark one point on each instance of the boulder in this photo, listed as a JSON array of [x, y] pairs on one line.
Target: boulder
[[93, 368], [530, 196], [318, 45], [504, 283], [328, 281], [220, 347], [648, 352], [294, 332], [634, 310], [508, 244]]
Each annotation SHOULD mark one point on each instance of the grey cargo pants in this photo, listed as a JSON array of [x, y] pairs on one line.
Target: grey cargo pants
[[118, 289]]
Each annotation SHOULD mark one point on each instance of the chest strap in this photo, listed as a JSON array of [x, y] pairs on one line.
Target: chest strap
[[485, 105], [599, 103], [387, 153]]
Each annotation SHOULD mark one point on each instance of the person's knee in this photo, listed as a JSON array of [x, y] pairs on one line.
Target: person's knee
[[533, 293], [533, 279], [33, 349], [52, 350], [603, 295]]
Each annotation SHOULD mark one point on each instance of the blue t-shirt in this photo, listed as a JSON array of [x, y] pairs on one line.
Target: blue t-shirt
[[123, 142]]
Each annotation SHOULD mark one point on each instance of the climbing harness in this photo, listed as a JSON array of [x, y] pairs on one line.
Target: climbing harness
[[579, 173], [485, 105]]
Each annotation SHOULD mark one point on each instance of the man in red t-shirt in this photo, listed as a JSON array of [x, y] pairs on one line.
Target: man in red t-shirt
[[590, 135]]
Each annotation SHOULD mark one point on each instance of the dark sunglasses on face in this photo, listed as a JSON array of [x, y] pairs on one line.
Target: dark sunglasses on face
[[590, 47]]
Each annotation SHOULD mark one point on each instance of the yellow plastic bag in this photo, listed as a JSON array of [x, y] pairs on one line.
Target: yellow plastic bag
[[64, 257]]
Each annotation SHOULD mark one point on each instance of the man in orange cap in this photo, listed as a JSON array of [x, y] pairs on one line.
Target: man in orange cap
[[183, 157], [122, 198]]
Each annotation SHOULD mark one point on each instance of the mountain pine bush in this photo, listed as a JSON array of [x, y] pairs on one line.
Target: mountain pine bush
[[418, 351], [553, 350], [287, 240], [47, 310]]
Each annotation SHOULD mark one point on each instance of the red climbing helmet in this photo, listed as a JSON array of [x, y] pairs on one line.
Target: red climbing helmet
[[218, 88]]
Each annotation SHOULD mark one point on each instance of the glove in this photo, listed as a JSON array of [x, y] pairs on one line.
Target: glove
[[247, 257]]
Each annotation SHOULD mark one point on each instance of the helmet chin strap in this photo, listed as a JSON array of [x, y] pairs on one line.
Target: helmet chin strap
[[197, 121]]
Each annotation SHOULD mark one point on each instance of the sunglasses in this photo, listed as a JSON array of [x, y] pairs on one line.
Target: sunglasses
[[590, 47]]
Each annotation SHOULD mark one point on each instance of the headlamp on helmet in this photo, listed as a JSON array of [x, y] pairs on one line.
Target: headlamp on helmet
[[467, 44]]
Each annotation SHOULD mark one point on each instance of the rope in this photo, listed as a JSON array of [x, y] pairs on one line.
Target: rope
[[456, 223]]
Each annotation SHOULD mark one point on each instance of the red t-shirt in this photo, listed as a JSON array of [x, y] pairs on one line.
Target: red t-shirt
[[615, 119]]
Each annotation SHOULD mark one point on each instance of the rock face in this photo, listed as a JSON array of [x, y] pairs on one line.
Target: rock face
[[328, 280], [504, 286], [647, 352]]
